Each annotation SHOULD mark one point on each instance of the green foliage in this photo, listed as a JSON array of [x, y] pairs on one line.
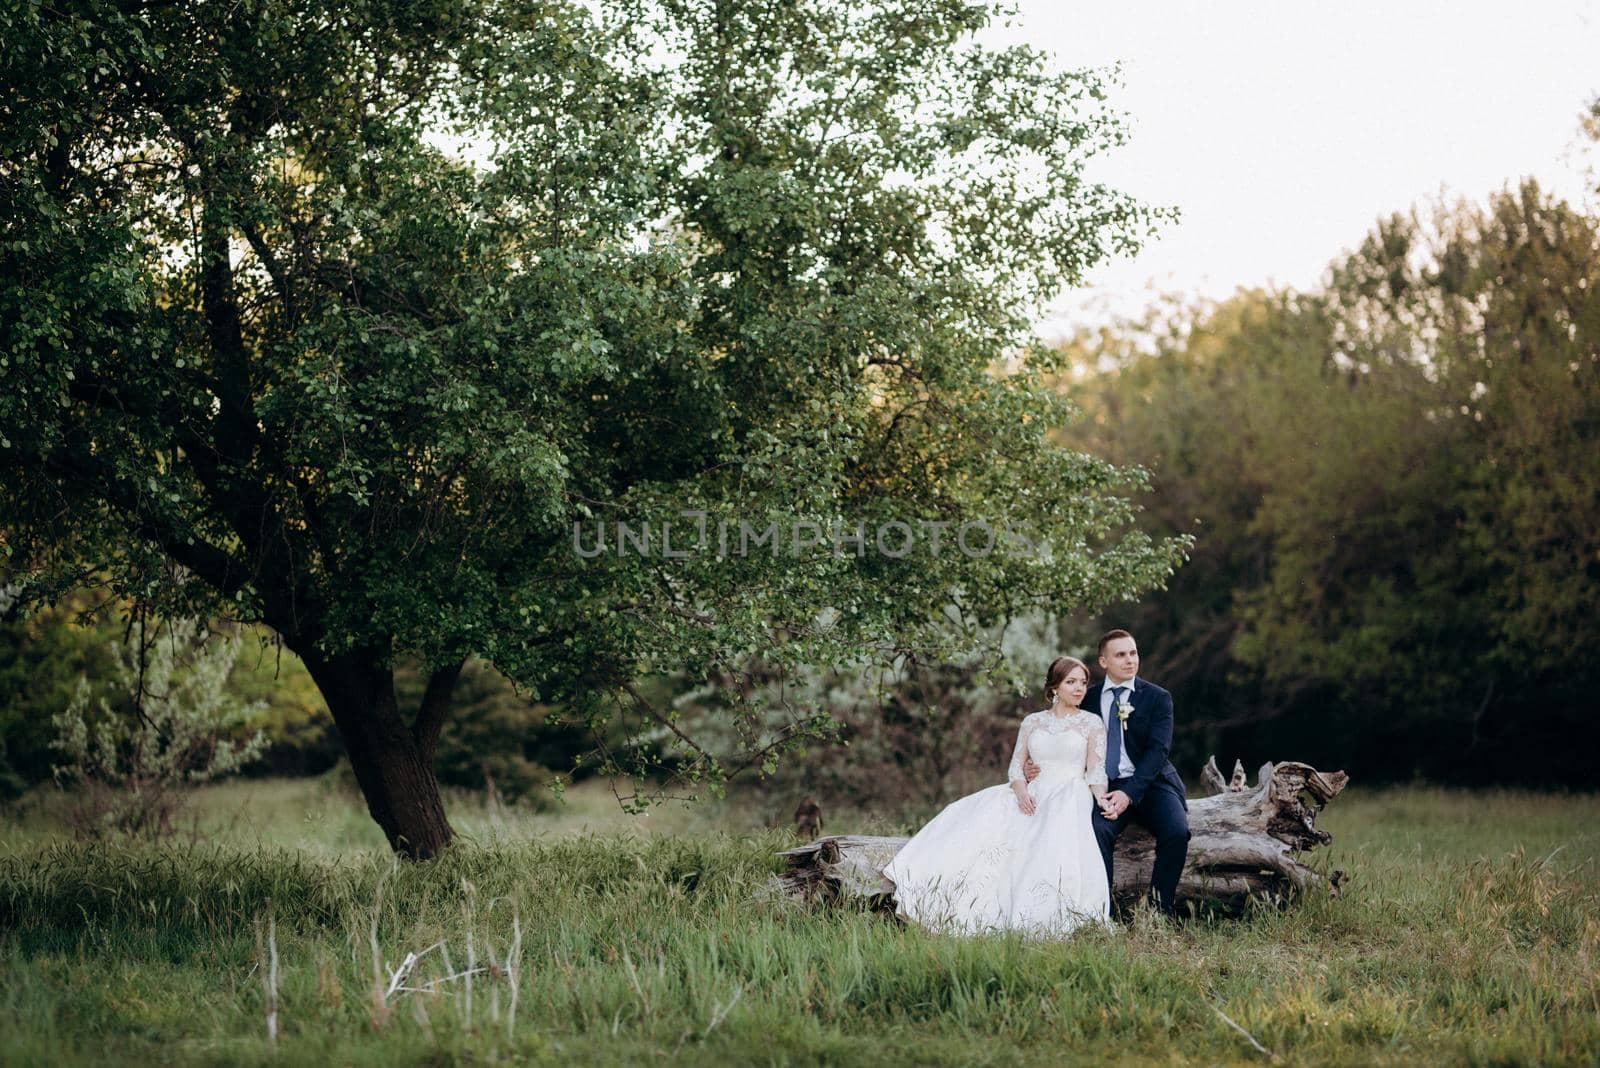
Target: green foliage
[[907, 737], [43, 654], [497, 739], [134, 772], [1465, 936], [300, 736], [1392, 483]]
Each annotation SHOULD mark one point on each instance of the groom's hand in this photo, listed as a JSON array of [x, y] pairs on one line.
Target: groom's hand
[[1030, 770], [1115, 804]]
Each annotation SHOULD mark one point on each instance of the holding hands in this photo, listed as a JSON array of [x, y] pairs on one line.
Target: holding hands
[[1114, 804]]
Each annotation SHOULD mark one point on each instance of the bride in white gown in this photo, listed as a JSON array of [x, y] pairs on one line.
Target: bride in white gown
[[1020, 856]]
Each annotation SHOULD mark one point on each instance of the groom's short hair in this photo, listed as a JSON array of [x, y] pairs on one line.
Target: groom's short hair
[[1110, 636]]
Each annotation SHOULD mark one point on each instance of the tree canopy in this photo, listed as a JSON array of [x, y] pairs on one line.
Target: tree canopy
[[1394, 481], [339, 317]]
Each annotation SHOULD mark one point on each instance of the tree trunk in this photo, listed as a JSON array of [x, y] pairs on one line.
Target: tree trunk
[[1241, 846], [391, 764]]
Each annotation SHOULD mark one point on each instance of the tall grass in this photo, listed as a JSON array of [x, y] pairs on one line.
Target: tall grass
[[1469, 934]]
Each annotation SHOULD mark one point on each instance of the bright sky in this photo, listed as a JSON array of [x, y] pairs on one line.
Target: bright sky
[[1283, 130]]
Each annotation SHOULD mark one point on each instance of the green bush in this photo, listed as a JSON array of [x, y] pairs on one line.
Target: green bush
[[132, 773], [495, 736]]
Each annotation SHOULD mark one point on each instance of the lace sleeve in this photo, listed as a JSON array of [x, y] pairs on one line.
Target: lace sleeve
[[1021, 751], [1094, 771]]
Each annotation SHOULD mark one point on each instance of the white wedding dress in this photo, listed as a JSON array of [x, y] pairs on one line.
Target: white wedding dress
[[982, 865]]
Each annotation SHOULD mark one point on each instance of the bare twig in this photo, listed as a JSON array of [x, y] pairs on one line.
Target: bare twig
[[398, 976], [513, 969], [1248, 1036], [380, 1003], [432, 985], [719, 1012], [269, 976], [472, 957]]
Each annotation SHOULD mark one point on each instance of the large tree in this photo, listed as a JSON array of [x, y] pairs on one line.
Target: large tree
[[339, 316]]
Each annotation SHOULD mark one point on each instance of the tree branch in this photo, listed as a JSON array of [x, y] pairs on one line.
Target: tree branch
[[213, 565], [435, 706], [275, 270]]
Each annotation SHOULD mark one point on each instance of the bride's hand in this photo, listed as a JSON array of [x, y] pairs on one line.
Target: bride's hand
[[1026, 803]]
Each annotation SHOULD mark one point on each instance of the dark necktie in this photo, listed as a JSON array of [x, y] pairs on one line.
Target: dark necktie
[[1114, 737]]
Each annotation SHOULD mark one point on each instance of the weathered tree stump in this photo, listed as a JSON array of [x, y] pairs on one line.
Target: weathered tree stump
[[1242, 846]]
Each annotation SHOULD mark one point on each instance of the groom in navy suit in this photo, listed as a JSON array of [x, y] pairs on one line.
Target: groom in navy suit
[[1143, 787]]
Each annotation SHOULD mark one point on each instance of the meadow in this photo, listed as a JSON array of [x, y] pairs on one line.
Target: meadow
[[1468, 934]]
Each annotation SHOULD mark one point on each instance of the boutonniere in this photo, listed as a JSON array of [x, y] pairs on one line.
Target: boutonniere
[[1124, 710]]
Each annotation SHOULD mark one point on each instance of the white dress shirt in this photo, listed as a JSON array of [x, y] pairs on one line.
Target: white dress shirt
[[1125, 768]]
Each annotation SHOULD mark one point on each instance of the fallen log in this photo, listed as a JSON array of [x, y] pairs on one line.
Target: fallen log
[[1242, 846]]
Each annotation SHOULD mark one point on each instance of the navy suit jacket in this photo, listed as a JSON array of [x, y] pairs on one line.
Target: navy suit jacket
[[1146, 737]]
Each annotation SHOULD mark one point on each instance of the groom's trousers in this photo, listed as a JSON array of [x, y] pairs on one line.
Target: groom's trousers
[[1160, 811]]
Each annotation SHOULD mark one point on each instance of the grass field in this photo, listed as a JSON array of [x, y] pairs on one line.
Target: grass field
[[1469, 934]]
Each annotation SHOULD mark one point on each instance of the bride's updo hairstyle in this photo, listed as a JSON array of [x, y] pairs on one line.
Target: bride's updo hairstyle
[[1060, 668]]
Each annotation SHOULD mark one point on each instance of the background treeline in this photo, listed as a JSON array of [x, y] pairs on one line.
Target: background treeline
[[1395, 487], [1394, 483]]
